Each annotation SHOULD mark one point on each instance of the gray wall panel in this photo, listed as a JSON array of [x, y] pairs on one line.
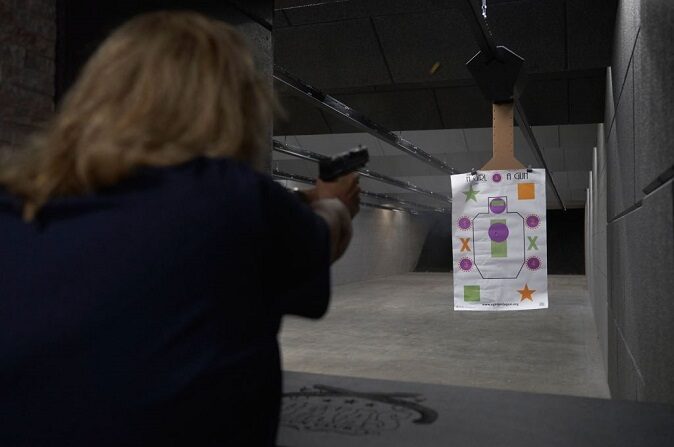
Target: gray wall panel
[[615, 188], [654, 93], [554, 156], [617, 260], [628, 378], [648, 311], [467, 161], [621, 155], [600, 310], [612, 356], [578, 159], [626, 30]]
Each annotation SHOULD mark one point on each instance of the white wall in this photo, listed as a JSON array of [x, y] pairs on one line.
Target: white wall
[[384, 243]]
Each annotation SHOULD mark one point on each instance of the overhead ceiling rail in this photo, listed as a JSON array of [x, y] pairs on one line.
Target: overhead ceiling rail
[[315, 157], [528, 133], [403, 205], [485, 40], [358, 120], [480, 28]]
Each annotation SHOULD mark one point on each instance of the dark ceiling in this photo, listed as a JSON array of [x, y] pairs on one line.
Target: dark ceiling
[[376, 56]]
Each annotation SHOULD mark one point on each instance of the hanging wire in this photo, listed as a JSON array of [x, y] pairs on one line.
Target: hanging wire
[[484, 8]]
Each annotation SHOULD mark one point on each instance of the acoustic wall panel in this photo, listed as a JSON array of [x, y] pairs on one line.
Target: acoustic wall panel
[[654, 93], [621, 153], [626, 30], [327, 62], [589, 33], [413, 43], [647, 313]]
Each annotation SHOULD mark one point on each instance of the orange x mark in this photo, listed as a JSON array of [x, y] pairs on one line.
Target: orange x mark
[[464, 243]]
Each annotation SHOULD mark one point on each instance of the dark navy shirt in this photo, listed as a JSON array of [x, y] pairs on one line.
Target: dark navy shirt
[[148, 313]]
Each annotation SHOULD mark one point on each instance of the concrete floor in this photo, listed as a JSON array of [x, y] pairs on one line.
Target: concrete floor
[[403, 328]]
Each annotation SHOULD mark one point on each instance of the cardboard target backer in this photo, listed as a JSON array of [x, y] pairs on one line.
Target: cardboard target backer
[[499, 240]]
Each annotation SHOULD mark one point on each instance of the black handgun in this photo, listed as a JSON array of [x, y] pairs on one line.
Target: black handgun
[[341, 164]]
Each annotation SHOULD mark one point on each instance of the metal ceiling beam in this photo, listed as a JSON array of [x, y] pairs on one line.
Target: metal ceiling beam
[[403, 205], [479, 27], [485, 40], [315, 157], [356, 119]]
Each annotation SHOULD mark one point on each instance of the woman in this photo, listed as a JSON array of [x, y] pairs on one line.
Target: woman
[[144, 265]]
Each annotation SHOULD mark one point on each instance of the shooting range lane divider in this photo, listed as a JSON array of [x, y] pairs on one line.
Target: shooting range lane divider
[[356, 119], [404, 205], [477, 21], [316, 158]]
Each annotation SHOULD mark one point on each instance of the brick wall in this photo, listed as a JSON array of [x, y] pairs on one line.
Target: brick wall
[[27, 45]]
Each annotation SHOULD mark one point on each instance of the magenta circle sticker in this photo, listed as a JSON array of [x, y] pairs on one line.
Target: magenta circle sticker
[[465, 264], [533, 221], [497, 206], [533, 263], [464, 223], [496, 177], [498, 232]]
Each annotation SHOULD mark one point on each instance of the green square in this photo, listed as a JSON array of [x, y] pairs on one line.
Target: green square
[[471, 293], [499, 249]]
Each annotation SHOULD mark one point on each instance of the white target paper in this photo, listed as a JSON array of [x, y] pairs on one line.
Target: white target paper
[[499, 240]]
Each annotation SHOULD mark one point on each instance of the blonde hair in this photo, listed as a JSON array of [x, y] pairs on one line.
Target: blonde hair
[[162, 89]]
